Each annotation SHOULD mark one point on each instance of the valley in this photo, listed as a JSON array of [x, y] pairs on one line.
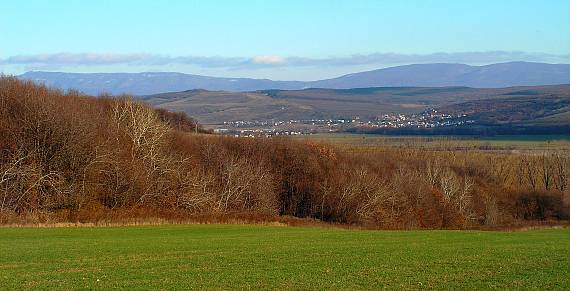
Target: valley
[[392, 110]]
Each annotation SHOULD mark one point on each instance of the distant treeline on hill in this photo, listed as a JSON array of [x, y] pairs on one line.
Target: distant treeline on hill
[[70, 157]]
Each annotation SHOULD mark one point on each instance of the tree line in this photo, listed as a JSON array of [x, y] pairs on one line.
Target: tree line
[[65, 156]]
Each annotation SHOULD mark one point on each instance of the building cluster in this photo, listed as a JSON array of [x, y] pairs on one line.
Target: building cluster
[[258, 132], [428, 118], [274, 123]]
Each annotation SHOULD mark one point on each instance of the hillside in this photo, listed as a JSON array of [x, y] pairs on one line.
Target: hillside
[[217, 107], [418, 75], [520, 112], [516, 110]]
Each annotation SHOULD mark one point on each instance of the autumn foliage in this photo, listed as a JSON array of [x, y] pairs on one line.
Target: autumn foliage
[[69, 157]]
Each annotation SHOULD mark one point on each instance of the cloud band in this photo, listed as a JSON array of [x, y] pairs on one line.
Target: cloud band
[[264, 61]]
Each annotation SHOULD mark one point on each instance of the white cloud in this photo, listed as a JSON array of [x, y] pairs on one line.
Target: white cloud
[[75, 59], [269, 60], [68, 60]]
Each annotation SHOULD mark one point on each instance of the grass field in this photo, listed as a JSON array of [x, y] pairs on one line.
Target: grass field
[[253, 256]]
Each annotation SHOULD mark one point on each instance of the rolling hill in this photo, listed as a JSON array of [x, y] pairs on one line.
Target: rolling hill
[[215, 107], [548, 109], [418, 75]]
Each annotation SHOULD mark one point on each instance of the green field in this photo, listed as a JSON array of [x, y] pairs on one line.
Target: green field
[[253, 256]]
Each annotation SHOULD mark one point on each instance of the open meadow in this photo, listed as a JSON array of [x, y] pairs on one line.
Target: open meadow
[[280, 257]]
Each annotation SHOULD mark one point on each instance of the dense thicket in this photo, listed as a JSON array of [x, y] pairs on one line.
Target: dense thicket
[[72, 157]]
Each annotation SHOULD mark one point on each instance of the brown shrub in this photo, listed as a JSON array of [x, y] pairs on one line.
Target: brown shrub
[[78, 158]]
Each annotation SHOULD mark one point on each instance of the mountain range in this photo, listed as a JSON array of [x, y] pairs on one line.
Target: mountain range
[[416, 75]]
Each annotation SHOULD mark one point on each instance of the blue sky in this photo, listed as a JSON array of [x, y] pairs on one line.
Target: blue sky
[[303, 40]]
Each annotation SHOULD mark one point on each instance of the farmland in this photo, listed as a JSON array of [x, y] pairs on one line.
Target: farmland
[[261, 256], [506, 143]]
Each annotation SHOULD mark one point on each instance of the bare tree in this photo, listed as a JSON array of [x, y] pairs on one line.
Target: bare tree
[[561, 174], [144, 128], [547, 171], [530, 171], [491, 210], [434, 171]]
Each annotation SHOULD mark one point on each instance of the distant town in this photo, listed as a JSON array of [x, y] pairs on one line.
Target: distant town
[[429, 118]]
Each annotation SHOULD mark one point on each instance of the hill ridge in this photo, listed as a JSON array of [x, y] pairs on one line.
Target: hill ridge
[[414, 75]]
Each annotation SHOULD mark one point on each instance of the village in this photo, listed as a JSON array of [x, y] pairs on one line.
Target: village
[[429, 118]]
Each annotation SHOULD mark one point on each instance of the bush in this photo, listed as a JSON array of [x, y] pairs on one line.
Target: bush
[[540, 206]]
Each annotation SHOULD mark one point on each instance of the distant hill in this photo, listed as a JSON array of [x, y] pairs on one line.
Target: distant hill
[[438, 75], [530, 109], [151, 83], [523, 112], [419, 75], [217, 106]]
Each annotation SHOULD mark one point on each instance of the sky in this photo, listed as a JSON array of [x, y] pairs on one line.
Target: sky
[[282, 40]]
